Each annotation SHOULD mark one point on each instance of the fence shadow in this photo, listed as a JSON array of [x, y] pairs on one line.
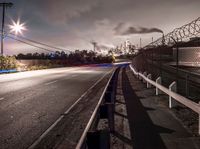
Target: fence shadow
[[144, 133]]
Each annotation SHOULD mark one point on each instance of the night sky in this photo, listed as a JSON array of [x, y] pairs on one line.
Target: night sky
[[72, 24]]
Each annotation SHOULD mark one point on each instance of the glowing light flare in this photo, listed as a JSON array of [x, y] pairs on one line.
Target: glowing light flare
[[17, 27]]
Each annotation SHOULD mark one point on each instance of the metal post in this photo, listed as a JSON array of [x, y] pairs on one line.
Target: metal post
[[177, 62], [160, 65], [145, 74], [199, 119], [2, 29], [186, 86], [140, 78], [172, 87], [177, 58], [4, 5], [148, 84], [158, 81]]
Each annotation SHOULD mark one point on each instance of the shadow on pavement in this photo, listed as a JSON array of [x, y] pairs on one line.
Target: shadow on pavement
[[145, 135], [123, 138]]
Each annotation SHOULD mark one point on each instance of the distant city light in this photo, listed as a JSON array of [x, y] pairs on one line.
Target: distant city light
[[17, 27]]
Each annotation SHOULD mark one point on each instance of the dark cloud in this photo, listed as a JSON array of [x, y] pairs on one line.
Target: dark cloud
[[62, 11], [122, 29], [99, 45], [73, 23], [51, 11]]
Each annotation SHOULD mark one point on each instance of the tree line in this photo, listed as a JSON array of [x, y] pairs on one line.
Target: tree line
[[77, 56]]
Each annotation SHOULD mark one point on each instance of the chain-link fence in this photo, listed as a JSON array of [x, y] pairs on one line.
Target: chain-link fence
[[184, 67], [176, 57]]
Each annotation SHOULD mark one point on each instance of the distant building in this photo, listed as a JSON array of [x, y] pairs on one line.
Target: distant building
[[125, 48]]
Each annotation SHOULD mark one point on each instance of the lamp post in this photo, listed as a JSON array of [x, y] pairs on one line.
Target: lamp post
[[4, 5]]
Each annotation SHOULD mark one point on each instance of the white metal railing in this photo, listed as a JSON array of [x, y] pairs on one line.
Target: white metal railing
[[181, 99]]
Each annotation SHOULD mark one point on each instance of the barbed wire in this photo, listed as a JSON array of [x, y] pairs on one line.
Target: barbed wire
[[180, 34]]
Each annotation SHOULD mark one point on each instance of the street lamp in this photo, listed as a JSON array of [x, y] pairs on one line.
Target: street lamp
[[17, 27]]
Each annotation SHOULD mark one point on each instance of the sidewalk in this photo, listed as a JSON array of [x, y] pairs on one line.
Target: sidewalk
[[143, 120]]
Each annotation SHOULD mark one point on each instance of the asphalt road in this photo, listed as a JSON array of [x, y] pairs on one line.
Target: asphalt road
[[31, 101]]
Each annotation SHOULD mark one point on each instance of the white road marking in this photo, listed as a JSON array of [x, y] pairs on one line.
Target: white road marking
[[50, 82], [2, 98]]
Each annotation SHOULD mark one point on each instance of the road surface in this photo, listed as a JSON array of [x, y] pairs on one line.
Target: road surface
[[30, 102]]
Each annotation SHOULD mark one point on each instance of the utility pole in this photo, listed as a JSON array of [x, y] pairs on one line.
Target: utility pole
[[4, 6], [94, 44]]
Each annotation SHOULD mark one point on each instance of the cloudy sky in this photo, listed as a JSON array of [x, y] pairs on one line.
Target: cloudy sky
[[72, 24]]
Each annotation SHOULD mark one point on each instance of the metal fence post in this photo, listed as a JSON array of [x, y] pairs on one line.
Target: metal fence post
[[158, 81], [186, 86], [199, 119], [145, 74], [148, 84], [172, 87], [140, 78]]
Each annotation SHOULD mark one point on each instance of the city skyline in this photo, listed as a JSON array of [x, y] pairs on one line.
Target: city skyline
[[74, 24]]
